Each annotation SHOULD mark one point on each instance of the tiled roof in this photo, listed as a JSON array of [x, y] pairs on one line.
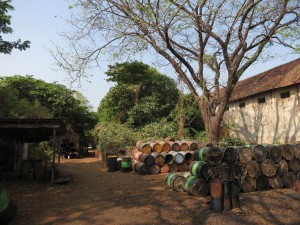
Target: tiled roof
[[278, 77]]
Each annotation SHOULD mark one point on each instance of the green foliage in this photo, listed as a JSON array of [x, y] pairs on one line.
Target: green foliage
[[26, 97], [141, 96], [6, 47], [231, 142]]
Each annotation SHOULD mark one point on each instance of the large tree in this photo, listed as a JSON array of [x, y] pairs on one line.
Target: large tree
[[209, 43], [6, 47]]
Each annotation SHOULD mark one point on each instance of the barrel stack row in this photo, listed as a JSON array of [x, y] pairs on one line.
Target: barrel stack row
[[224, 172]]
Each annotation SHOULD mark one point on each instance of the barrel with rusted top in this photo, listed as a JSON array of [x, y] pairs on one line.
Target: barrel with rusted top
[[158, 158], [175, 146], [259, 153], [244, 154], [165, 146], [269, 168], [143, 147], [274, 152], [183, 145], [212, 155], [173, 167], [156, 147]]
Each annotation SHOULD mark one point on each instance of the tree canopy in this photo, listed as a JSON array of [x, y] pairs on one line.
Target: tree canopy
[[141, 95], [208, 43], [27, 97], [6, 47]]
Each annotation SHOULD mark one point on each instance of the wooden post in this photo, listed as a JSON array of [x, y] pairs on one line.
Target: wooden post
[[53, 155]]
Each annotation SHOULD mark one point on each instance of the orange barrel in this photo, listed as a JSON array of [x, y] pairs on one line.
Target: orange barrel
[[183, 167], [294, 165], [178, 157], [287, 152], [193, 145], [230, 155], [297, 151], [164, 168], [165, 146], [244, 154], [183, 145], [277, 182], [216, 188], [262, 182], [156, 147], [173, 167], [143, 147], [147, 159], [188, 156], [253, 169], [283, 166], [126, 164], [175, 181], [111, 163], [274, 152], [8, 209], [248, 184], [259, 153], [141, 168], [198, 187], [269, 168], [240, 170], [136, 154], [202, 169], [154, 169], [211, 155], [168, 157], [158, 158], [289, 179], [174, 146]]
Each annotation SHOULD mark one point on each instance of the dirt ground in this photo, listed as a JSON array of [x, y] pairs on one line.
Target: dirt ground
[[98, 197]]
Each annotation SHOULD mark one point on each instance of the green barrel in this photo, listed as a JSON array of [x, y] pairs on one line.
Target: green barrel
[[169, 178], [126, 164], [8, 209], [187, 182]]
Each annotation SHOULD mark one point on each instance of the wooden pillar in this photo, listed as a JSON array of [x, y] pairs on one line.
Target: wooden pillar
[[53, 154]]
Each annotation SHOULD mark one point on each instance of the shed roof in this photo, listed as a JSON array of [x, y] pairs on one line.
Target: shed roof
[[29, 129], [278, 77]]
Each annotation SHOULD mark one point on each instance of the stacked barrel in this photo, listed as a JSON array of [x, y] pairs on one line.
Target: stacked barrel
[[163, 156], [225, 172]]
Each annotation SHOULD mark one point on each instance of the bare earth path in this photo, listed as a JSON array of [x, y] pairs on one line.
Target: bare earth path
[[98, 197]]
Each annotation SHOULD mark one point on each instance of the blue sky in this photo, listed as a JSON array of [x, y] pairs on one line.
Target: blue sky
[[40, 22]]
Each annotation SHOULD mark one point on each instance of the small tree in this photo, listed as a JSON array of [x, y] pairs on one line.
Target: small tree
[[6, 47], [209, 43]]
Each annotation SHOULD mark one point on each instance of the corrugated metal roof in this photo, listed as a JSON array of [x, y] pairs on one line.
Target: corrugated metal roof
[[278, 77]]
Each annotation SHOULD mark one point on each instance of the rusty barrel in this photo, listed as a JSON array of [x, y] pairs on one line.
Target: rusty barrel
[[225, 172], [296, 148], [141, 168], [230, 155], [212, 155], [184, 146], [269, 168], [175, 146], [183, 167], [164, 168], [262, 182], [155, 147], [202, 169], [289, 179], [274, 152], [169, 158], [283, 166], [147, 159], [287, 152], [248, 184], [143, 147], [126, 164], [244, 154], [111, 163], [198, 187], [188, 156], [175, 181], [253, 169], [178, 157], [216, 193], [154, 169], [173, 167], [277, 181], [240, 170], [294, 165], [165, 146], [259, 153], [193, 145], [135, 153], [8, 209], [158, 158]]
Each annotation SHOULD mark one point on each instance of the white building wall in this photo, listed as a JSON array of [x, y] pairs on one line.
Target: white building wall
[[275, 121]]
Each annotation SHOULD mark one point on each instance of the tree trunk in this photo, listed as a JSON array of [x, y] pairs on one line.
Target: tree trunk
[[181, 116]]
